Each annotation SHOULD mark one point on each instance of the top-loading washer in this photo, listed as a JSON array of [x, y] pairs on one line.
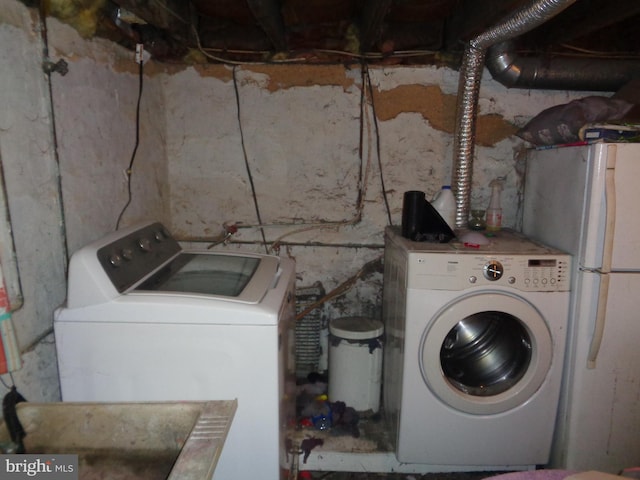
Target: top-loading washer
[[474, 350], [146, 320]]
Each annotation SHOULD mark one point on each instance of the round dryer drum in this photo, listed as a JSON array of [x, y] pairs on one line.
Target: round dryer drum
[[486, 353]]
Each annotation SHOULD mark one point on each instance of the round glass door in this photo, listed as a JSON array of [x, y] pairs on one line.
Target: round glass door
[[486, 353]]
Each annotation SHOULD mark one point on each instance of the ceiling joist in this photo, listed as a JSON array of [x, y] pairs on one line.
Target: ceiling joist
[[313, 31]]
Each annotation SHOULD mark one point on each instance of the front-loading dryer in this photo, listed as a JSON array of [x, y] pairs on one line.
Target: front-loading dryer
[[474, 350]]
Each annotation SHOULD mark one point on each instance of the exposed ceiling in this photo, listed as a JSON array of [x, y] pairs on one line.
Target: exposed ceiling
[[321, 31]]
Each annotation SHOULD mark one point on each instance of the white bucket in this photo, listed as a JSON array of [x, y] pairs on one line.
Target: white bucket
[[355, 362]]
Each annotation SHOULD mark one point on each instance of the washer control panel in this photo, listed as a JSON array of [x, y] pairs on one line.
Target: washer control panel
[[130, 258], [437, 271]]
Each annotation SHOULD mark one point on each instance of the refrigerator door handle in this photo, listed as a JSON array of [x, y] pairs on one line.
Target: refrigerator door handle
[[607, 254], [610, 219], [598, 329]]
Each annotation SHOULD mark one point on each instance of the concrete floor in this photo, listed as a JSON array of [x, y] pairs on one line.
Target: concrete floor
[[360, 446], [343, 456], [400, 476]]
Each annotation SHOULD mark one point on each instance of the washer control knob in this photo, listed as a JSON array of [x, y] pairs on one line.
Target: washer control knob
[[493, 270], [115, 260], [127, 254], [159, 236], [511, 280], [473, 279], [145, 244]]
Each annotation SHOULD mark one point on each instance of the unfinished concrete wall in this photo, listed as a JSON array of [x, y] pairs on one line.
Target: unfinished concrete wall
[[318, 156], [31, 186], [95, 106]]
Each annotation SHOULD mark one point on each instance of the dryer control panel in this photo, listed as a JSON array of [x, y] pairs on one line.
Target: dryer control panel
[[439, 271]]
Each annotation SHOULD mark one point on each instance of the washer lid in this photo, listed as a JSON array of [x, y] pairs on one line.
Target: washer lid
[[232, 277], [356, 328]]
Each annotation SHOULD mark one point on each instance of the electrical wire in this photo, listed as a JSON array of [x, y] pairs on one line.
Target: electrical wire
[[5, 385], [360, 57], [366, 100], [363, 57], [246, 159], [367, 91], [129, 170], [215, 57], [377, 137], [357, 57], [303, 226], [44, 36], [600, 54], [363, 111]]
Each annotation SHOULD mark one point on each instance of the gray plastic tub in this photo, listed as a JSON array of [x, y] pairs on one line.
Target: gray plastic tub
[[119, 441]]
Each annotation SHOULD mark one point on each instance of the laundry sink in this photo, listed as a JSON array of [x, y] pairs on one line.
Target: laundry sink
[[121, 441]]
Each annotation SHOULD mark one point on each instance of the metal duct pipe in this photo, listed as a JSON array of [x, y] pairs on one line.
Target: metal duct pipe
[[513, 71], [519, 22]]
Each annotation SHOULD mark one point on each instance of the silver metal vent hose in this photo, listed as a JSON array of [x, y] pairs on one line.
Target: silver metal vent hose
[[521, 21]]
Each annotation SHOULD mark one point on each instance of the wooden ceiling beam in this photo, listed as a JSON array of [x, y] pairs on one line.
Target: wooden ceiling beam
[[269, 17], [473, 17], [373, 15], [172, 16], [577, 22]]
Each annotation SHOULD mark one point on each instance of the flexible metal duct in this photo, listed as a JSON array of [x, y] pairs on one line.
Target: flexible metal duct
[[519, 22], [513, 71]]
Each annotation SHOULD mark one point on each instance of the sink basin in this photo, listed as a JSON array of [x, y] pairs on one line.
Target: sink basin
[[119, 441]]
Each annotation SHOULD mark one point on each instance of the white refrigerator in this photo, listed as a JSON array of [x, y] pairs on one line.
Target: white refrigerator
[[586, 200]]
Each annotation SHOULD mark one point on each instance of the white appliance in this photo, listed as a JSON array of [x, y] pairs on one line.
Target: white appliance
[[585, 200], [474, 350], [147, 321]]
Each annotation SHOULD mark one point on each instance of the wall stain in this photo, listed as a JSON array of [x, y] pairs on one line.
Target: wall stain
[[288, 76], [439, 109], [212, 70]]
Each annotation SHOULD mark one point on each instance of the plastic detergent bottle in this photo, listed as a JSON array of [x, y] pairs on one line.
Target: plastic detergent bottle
[[445, 203], [494, 211]]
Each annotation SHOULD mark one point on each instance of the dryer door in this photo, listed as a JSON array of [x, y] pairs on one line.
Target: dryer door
[[486, 353]]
